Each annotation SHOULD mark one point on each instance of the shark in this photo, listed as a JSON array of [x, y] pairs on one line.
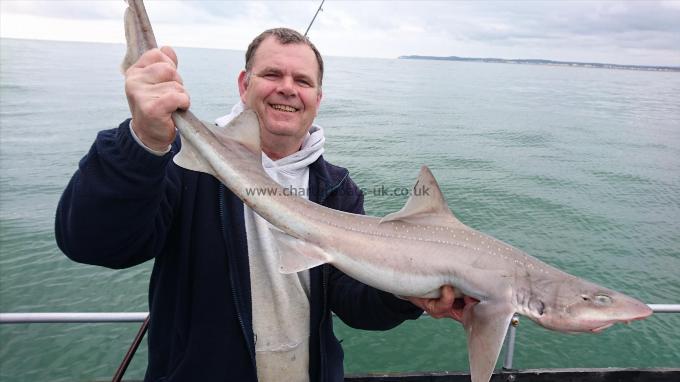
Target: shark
[[411, 252]]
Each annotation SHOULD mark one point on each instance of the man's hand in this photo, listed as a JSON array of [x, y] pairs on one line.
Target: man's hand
[[154, 90], [447, 305]]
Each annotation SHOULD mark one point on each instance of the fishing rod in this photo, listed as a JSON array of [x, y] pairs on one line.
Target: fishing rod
[[314, 18]]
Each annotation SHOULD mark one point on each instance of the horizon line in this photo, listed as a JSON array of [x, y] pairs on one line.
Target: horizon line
[[411, 56]]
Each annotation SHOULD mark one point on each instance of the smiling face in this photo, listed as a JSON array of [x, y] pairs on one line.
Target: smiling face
[[282, 87]]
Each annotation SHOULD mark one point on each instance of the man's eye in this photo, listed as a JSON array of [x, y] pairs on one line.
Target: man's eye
[[305, 82]]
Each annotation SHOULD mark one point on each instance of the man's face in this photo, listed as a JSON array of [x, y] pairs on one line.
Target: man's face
[[283, 89]]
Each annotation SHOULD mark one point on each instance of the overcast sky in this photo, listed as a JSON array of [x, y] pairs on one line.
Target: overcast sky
[[622, 32]]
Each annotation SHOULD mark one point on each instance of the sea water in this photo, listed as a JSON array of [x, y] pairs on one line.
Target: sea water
[[578, 167]]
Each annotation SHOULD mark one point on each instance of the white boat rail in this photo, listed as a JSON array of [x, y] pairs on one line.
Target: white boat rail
[[92, 317], [71, 317], [87, 317]]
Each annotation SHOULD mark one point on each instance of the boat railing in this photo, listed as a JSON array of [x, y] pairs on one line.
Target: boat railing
[[87, 317]]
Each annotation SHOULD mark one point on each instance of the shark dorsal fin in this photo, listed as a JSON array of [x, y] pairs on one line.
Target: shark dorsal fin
[[426, 202], [244, 129]]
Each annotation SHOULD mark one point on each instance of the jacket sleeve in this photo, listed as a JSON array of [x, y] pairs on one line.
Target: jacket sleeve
[[117, 209], [359, 305]]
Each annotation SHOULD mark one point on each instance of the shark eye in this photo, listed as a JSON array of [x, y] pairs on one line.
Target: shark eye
[[601, 299]]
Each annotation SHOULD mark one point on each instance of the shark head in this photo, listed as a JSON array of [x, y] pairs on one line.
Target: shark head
[[581, 306]]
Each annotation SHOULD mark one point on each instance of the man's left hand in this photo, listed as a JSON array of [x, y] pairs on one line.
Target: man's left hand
[[447, 305]]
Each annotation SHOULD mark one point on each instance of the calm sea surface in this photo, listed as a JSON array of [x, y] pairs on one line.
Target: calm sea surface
[[578, 167]]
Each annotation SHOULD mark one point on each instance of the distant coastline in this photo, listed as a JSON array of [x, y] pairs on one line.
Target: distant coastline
[[546, 62]]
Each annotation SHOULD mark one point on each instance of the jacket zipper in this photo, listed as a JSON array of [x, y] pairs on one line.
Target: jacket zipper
[[232, 264], [324, 282], [322, 349]]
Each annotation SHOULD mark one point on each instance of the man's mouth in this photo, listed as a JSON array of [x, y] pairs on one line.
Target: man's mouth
[[286, 108]]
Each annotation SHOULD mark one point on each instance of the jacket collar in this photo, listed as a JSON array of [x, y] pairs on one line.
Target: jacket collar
[[324, 178]]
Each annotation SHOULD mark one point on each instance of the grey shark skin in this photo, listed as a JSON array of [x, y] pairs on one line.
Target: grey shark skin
[[412, 252]]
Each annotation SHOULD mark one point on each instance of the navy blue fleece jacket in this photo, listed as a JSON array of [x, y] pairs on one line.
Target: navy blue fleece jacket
[[125, 206]]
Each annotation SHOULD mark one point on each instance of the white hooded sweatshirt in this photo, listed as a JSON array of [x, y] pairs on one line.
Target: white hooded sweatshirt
[[280, 302]]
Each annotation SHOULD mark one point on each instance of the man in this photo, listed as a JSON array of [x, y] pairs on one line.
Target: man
[[219, 309]]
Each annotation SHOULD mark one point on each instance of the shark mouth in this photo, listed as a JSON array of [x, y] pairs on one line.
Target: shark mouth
[[601, 328], [285, 108], [627, 321]]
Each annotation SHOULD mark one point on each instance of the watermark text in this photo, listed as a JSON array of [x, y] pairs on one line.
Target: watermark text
[[377, 191]]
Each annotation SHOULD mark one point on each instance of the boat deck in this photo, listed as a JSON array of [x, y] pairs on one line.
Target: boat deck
[[530, 375], [534, 375]]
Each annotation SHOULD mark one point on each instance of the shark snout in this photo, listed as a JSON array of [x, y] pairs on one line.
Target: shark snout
[[586, 307], [641, 312], [625, 310]]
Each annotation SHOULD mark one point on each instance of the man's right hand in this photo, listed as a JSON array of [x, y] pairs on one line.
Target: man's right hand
[[154, 90]]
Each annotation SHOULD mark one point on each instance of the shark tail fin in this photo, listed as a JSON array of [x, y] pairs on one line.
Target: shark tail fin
[[138, 33], [131, 54]]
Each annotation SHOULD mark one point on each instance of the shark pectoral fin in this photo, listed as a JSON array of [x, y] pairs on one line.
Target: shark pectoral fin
[[426, 204], [296, 255], [190, 159], [485, 325], [244, 129]]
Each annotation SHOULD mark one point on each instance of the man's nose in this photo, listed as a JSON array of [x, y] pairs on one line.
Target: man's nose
[[287, 86]]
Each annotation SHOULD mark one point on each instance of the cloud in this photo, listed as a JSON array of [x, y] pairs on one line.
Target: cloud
[[634, 32], [63, 9]]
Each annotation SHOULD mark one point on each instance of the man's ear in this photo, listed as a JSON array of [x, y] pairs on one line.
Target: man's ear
[[243, 78]]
